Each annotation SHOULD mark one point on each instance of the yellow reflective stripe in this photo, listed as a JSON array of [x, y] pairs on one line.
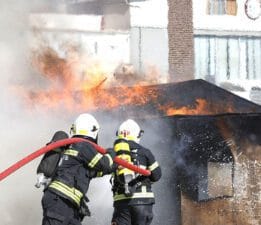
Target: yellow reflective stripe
[[71, 192], [95, 160], [82, 132], [135, 195], [110, 159], [122, 146], [124, 171], [71, 152], [99, 174], [72, 189], [125, 157], [131, 138], [153, 166]]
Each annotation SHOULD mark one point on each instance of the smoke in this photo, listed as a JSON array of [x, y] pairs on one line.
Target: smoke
[[158, 137], [25, 130]]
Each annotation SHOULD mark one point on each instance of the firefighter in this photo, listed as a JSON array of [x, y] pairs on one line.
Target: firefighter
[[133, 198], [64, 200]]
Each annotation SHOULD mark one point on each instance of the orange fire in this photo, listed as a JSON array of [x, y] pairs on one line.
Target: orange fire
[[199, 108], [77, 84], [74, 85]]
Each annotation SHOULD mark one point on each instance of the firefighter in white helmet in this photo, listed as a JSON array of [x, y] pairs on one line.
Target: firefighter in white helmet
[[64, 200], [132, 194]]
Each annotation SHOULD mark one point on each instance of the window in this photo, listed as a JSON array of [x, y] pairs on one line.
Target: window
[[207, 169], [222, 7], [220, 179], [223, 58]]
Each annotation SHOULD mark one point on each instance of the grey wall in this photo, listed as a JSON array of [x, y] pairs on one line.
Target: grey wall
[[149, 46]]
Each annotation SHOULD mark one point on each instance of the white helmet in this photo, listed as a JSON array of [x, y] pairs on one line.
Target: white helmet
[[130, 130], [86, 125]]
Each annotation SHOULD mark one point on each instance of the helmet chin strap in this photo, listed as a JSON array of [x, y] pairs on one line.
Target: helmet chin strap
[[72, 130], [94, 129], [140, 134]]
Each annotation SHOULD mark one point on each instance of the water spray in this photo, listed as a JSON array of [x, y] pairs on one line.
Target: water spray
[[64, 142]]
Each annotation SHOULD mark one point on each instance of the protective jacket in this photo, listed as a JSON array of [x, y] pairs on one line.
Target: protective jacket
[[80, 163], [141, 185]]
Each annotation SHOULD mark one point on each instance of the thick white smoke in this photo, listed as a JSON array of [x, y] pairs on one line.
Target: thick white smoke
[[25, 130]]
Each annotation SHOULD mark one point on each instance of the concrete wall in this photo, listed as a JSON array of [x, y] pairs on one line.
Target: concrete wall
[[149, 49], [149, 37]]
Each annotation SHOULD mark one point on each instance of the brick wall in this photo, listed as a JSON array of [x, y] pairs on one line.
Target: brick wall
[[180, 32]]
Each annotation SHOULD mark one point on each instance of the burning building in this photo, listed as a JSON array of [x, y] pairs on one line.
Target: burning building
[[208, 143], [206, 139], [210, 151]]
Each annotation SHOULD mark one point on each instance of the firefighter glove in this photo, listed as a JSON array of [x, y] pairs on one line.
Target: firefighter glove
[[42, 180]]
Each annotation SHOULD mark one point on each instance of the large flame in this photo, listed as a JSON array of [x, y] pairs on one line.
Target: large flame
[[81, 83]]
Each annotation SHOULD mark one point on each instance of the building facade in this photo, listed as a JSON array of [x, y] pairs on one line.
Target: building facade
[[227, 45], [114, 31], [215, 40]]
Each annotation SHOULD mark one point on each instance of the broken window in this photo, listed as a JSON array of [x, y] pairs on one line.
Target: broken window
[[212, 180], [207, 169], [220, 179]]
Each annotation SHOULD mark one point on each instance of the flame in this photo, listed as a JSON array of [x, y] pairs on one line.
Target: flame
[[79, 83], [199, 108]]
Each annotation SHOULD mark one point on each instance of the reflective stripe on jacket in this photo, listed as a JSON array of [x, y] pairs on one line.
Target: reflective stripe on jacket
[[143, 193], [69, 192], [80, 163]]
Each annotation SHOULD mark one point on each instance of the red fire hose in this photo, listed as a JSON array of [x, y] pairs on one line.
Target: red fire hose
[[64, 142]]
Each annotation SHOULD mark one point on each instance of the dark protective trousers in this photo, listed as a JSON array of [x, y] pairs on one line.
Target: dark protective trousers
[[58, 211], [132, 215]]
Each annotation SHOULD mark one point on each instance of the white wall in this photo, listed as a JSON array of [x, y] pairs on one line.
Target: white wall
[[150, 13], [116, 16], [56, 31], [223, 22], [149, 37], [114, 44], [149, 49], [66, 22]]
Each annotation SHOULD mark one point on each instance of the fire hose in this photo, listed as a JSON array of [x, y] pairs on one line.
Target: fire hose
[[64, 142]]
